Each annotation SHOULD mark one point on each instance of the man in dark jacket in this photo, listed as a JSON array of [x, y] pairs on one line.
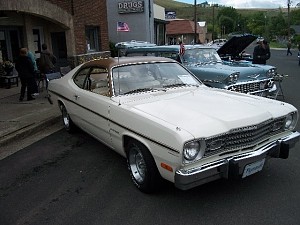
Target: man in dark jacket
[[46, 61], [25, 70], [261, 53]]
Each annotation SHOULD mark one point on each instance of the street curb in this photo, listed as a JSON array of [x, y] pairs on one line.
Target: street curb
[[29, 130]]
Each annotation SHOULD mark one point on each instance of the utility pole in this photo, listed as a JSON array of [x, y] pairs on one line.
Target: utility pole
[[289, 30], [213, 30], [195, 22]]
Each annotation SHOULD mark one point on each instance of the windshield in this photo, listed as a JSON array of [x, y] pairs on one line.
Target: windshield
[[150, 76], [201, 56]]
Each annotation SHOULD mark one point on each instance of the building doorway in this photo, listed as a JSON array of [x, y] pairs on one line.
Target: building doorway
[[59, 48], [9, 43]]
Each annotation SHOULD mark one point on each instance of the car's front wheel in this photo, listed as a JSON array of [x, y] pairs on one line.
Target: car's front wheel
[[142, 167], [68, 123]]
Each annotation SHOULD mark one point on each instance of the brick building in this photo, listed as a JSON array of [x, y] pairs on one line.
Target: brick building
[[73, 29], [184, 30]]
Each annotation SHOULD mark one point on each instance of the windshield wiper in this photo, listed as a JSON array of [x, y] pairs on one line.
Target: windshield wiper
[[174, 85], [144, 89], [138, 90]]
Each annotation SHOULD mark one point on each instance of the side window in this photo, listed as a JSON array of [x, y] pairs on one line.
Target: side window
[[99, 81], [170, 55], [81, 78]]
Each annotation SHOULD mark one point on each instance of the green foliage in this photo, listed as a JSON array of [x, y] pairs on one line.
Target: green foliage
[[296, 39], [257, 23], [228, 19], [228, 12], [268, 23], [295, 17], [113, 49]]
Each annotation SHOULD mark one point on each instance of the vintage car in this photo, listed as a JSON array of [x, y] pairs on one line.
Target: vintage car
[[206, 64], [169, 125]]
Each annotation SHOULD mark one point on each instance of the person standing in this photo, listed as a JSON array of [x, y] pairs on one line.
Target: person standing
[[25, 71], [299, 54], [46, 61], [36, 72], [289, 45], [261, 52]]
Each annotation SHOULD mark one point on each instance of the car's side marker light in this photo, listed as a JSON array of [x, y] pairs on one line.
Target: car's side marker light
[[167, 167]]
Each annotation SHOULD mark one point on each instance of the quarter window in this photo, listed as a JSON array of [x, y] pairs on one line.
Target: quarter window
[[81, 78]]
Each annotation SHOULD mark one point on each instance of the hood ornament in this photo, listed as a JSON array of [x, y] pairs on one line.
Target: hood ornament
[[254, 76]]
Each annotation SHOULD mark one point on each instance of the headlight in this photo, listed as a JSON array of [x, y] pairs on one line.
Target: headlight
[[232, 78], [272, 72], [191, 150], [290, 121]]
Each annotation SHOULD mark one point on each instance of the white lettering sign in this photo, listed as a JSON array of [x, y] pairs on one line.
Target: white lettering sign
[[131, 7]]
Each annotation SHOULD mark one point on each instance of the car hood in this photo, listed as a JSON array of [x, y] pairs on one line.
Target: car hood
[[236, 44], [204, 111], [220, 71]]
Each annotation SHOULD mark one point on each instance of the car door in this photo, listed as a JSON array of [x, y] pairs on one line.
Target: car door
[[92, 102]]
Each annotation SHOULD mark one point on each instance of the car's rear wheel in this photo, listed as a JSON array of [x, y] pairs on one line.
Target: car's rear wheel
[[142, 167], [68, 123]]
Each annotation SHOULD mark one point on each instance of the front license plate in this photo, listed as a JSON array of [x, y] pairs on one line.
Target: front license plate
[[253, 168]]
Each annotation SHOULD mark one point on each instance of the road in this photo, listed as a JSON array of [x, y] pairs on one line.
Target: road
[[73, 179]]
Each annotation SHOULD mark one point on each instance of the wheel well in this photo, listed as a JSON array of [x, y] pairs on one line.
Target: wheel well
[[126, 140]]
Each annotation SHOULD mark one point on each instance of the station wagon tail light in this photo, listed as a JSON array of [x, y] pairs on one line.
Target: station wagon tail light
[[192, 151], [290, 121]]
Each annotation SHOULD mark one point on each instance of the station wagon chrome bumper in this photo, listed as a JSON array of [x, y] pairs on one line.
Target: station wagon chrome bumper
[[233, 167]]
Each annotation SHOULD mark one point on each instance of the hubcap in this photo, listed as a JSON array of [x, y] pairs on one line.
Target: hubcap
[[65, 116], [137, 164]]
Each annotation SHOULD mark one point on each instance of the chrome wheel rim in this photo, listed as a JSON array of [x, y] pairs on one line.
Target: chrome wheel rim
[[65, 116], [137, 164]]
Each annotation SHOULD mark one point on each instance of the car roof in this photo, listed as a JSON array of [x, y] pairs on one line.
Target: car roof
[[111, 62]]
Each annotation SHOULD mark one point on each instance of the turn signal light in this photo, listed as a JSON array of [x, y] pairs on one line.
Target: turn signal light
[[167, 167]]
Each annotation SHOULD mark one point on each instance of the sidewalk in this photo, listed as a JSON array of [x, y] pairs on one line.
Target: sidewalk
[[22, 119]]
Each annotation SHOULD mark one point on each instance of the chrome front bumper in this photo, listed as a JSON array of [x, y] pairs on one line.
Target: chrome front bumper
[[233, 167]]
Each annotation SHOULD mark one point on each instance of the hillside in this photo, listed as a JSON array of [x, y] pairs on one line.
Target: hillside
[[186, 11]]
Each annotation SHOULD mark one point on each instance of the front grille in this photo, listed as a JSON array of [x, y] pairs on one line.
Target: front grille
[[243, 138], [250, 87]]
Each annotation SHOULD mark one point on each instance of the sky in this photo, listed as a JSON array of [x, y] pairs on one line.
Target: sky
[[245, 3]]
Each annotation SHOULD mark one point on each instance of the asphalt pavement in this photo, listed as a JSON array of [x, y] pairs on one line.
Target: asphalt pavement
[[19, 120]]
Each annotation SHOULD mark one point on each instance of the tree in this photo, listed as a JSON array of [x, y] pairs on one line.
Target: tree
[[278, 25], [227, 19], [257, 23], [295, 17]]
